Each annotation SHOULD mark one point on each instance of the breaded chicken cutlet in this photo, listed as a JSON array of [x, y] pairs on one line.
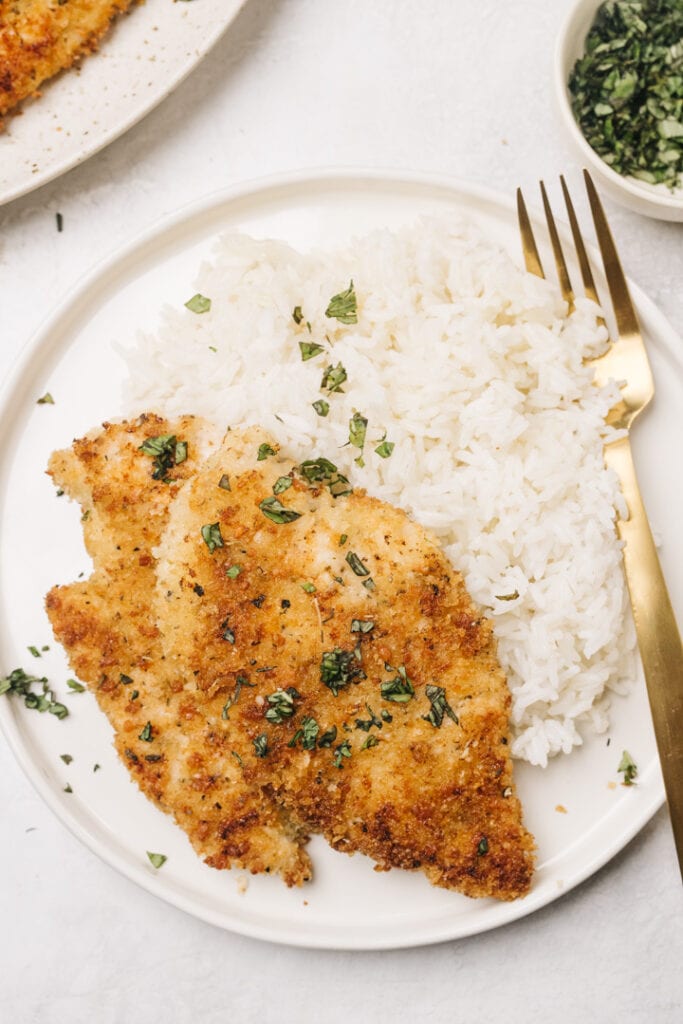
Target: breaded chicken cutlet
[[39, 38], [313, 661]]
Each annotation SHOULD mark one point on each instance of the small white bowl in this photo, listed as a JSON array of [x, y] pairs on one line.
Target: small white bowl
[[651, 200]]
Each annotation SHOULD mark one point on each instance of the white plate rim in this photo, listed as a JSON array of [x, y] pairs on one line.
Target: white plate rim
[[154, 884], [136, 113]]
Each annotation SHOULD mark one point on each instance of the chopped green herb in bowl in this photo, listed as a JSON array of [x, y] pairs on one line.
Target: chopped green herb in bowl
[[619, 80]]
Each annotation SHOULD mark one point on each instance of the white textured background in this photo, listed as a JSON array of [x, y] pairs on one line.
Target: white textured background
[[451, 86]]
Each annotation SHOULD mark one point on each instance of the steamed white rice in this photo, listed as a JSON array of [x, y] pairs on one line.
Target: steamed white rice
[[473, 369]]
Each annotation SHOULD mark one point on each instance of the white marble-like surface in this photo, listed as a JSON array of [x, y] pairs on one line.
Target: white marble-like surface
[[450, 86]]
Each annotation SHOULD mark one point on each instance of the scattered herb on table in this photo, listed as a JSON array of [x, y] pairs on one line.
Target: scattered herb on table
[[629, 768], [47, 399], [157, 860], [198, 304], [627, 88], [74, 686], [343, 307], [66, 758]]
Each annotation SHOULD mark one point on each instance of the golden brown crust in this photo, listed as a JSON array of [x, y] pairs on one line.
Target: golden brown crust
[[107, 627], [438, 799], [39, 38], [210, 646]]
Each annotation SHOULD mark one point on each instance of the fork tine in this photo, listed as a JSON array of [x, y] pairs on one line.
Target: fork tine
[[562, 272], [624, 313], [532, 260], [584, 264]]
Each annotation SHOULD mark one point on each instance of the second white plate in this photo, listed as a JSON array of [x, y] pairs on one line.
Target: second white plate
[[144, 57], [74, 357]]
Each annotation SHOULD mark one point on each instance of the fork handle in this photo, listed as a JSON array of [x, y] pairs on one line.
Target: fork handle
[[658, 638]]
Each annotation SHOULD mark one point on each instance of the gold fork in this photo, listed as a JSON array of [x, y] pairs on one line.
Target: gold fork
[[626, 362]]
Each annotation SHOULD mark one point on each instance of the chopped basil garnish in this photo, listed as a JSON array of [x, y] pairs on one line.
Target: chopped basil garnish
[[282, 484], [211, 534], [358, 426], [343, 539], [198, 304], [321, 470], [310, 588], [146, 733], [366, 724], [627, 89], [399, 690], [385, 449], [261, 745], [276, 511], [321, 407], [233, 572], [157, 860], [483, 847], [629, 768], [356, 564], [126, 680], [328, 737], [370, 741], [167, 452], [227, 633], [68, 789], [507, 597], [264, 450], [47, 399], [224, 483], [281, 704], [333, 378], [19, 684], [309, 350], [60, 221], [237, 757], [338, 668], [343, 307], [66, 758], [240, 682], [439, 708], [369, 584], [340, 752], [306, 733], [74, 686], [297, 315], [362, 625], [386, 715]]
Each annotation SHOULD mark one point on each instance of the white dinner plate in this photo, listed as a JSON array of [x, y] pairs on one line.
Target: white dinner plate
[[146, 54], [578, 812]]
